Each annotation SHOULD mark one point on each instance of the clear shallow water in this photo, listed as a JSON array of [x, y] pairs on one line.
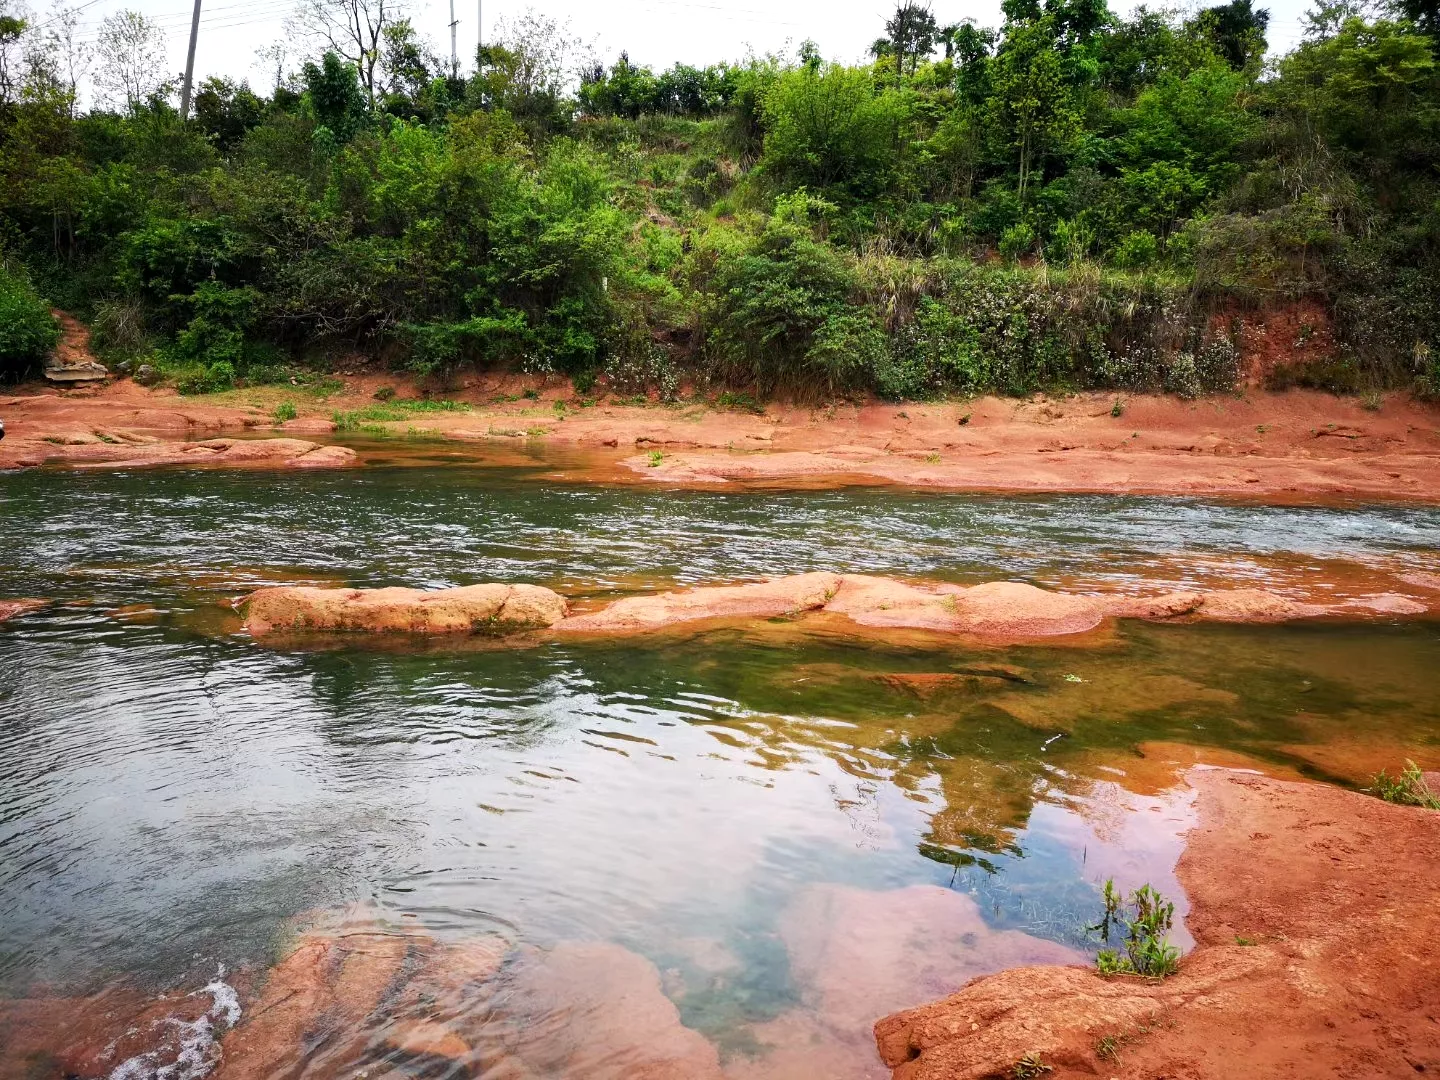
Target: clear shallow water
[[442, 527], [172, 794]]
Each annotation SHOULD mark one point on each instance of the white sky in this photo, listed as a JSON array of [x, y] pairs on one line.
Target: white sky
[[654, 32]]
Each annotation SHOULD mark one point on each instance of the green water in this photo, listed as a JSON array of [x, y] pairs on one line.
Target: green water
[[173, 794]]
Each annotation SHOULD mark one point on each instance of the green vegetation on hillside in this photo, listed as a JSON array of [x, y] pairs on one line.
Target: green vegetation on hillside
[[1073, 199]]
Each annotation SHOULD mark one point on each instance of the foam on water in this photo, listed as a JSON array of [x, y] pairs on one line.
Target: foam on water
[[190, 1049]]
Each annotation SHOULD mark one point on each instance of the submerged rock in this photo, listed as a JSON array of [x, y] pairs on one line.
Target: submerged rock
[[1254, 605], [245, 453], [596, 1010], [856, 952], [469, 609], [316, 1004], [10, 608], [1312, 958]]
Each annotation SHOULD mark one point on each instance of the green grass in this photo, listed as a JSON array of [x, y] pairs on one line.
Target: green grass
[[727, 399], [393, 412], [1407, 789], [284, 411], [1143, 925]]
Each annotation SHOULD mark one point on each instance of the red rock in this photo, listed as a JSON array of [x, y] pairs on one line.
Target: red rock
[[1254, 605], [429, 1038], [470, 609], [859, 953], [595, 1010], [10, 608], [765, 599], [230, 453], [1335, 981]]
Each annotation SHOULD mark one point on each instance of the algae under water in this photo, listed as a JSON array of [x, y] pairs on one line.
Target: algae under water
[[799, 831]]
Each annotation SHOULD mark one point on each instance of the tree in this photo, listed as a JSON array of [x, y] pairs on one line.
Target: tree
[[526, 69], [1033, 98], [333, 90], [408, 62], [911, 33], [831, 128], [272, 60], [130, 56], [225, 111], [12, 31], [72, 56], [627, 90], [1237, 30], [353, 30], [1425, 14]]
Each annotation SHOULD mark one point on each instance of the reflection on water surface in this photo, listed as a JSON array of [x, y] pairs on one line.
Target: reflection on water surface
[[784, 834]]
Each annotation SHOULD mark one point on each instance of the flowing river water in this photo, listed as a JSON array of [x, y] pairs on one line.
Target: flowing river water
[[785, 833]]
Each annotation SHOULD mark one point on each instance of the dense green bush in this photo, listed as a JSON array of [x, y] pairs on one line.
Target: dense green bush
[[981, 328], [28, 332], [777, 308], [920, 225]]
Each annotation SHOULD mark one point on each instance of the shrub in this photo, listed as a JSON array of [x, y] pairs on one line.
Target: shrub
[[1136, 250], [1070, 241], [1017, 240], [1427, 378], [1144, 926], [206, 379], [119, 328], [829, 128], [28, 332], [1407, 789], [777, 309], [640, 371]]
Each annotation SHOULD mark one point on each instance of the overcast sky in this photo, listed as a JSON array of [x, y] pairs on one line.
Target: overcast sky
[[655, 32]]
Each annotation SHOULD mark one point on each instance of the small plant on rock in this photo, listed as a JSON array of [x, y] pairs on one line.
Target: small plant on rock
[[1143, 923], [1408, 789], [655, 458], [1029, 1067], [284, 411]]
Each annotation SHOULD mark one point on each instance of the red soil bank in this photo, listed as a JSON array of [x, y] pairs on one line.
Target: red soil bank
[[1293, 446], [1314, 918]]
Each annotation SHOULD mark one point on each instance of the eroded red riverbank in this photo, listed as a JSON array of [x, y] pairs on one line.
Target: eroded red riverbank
[[1313, 915], [1295, 446]]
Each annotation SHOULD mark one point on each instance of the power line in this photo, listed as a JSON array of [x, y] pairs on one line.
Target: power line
[[60, 15]]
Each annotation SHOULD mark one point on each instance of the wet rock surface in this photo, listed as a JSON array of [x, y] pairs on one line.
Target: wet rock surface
[[1311, 959], [469, 609], [860, 950], [766, 599], [11, 608], [1000, 610]]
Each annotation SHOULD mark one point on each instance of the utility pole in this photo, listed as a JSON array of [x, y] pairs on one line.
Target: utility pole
[[190, 64], [454, 56]]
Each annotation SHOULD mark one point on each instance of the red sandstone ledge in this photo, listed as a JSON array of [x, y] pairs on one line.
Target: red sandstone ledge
[[1001, 609], [1313, 913]]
